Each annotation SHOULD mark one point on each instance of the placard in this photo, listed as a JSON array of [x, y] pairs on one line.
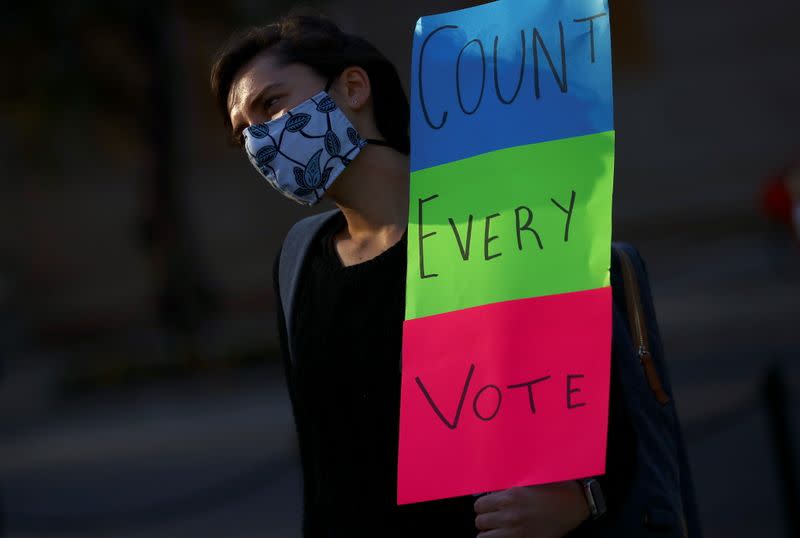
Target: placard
[[507, 337]]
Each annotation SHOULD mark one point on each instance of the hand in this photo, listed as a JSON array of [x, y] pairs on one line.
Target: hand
[[545, 511]]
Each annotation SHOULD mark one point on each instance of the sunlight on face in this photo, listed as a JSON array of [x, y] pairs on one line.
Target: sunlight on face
[[264, 89]]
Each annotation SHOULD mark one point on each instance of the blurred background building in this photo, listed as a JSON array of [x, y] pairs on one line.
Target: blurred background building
[[141, 393]]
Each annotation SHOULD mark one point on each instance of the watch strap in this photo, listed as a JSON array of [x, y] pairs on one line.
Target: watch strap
[[594, 497]]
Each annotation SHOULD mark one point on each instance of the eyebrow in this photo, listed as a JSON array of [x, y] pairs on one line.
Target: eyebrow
[[258, 98]]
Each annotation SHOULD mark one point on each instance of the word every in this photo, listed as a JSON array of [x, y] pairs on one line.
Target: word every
[[485, 393], [523, 218]]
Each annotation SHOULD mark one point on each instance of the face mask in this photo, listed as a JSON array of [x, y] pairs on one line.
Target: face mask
[[303, 152]]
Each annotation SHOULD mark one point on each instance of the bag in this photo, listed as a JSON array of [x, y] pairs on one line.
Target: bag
[[660, 501]]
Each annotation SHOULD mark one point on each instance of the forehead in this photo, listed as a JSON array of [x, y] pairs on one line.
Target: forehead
[[260, 71], [263, 70]]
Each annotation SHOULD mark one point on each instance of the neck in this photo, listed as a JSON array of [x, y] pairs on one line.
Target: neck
[[372, 194]]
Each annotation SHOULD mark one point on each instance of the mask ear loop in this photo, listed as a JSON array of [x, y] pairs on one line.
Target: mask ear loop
[[376, 142], [373, 141]]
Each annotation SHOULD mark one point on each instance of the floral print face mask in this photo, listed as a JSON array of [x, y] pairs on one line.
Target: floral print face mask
[[303, 152]]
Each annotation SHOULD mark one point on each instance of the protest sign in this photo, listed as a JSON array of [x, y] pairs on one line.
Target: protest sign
[[507, 337]]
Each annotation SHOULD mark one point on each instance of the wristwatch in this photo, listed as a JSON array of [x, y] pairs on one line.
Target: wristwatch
[[594, 497]]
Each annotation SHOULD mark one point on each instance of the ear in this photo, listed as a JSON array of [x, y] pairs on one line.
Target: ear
[[354, 86]]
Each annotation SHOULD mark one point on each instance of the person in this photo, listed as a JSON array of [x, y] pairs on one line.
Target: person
[[322, 114]]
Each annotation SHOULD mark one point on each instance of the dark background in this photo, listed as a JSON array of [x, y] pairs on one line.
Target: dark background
[[140, 391]]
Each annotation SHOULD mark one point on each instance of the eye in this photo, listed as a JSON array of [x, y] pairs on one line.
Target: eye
[[270, 103]]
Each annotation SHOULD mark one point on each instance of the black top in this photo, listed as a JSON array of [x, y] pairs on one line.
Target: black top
[[345, 389]]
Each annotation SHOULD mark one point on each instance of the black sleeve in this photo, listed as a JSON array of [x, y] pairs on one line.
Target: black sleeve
[[310, 518], [621, 448]]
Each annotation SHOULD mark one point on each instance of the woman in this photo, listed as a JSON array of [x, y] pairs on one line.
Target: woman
[[322, 114]]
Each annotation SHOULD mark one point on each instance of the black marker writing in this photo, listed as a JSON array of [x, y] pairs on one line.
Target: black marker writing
[[518, 212], [521, 72], [464, 250], [419, 77], [422, 237], [488, 239], [458, 77], [571, 391], [591, 29], [452, 425], [560, 80], [530, 385], [568, 212], [496, 408]]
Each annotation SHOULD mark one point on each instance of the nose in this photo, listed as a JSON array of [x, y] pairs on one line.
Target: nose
[[253, 117], [242, 118]]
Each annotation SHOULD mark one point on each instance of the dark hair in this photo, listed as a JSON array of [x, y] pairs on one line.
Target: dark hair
[[317, 42]]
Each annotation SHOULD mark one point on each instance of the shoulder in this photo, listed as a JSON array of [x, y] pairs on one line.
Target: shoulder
[[304, 230], [295, 247], [628, 277], [623, 254], [302, 233]]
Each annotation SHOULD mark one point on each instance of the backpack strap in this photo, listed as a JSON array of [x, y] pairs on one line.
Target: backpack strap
[[637, 319], [293, 254]]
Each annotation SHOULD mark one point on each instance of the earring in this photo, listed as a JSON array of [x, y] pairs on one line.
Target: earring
[[355, 102]]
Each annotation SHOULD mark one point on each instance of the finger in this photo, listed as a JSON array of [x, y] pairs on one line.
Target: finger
[[491, 502], [490, 520], [496, 533]]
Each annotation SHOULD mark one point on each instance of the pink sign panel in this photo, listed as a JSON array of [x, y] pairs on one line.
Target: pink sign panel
[[471, 423]]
